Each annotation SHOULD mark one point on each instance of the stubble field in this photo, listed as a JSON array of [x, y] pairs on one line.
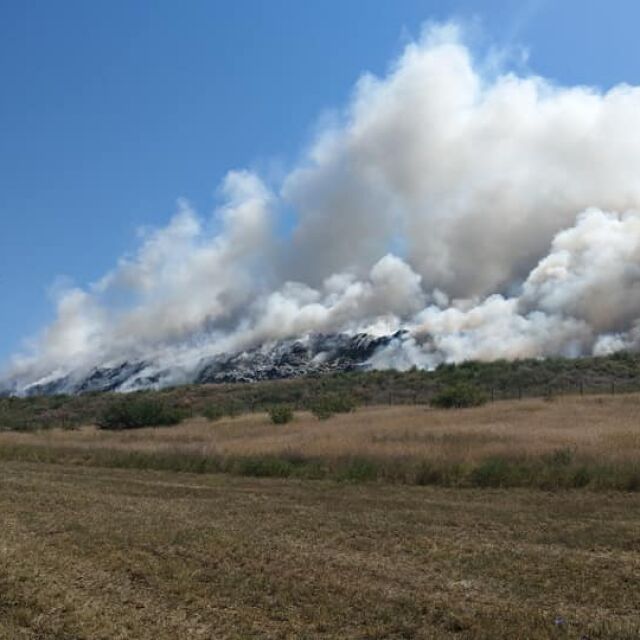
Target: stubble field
[[91, 551]]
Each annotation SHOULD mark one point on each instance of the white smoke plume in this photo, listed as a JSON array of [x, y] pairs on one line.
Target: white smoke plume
[[490, 214]]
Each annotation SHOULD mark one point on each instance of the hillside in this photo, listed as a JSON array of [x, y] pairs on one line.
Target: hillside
[[501, 379]]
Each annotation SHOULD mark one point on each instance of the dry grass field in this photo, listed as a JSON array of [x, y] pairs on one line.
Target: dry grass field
[[108, 554], [568, 442], [343, 545], [600, 426]]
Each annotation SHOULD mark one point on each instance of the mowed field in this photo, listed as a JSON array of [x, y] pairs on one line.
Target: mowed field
[[89, 550]]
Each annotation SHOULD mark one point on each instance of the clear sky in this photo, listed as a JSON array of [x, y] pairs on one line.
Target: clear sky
[[111, 110]]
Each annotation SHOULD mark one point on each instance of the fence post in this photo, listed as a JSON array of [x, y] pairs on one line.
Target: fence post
[[581, 388], [493, 394]]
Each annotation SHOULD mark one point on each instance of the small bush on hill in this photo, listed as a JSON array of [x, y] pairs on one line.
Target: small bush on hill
[[358, 470], [135, 413], [459, 396], [323, 408], [494, 472], [321, 412], [281, 414], [213, 412]]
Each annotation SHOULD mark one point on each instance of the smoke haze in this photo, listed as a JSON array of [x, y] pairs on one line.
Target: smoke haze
[[490, 214]]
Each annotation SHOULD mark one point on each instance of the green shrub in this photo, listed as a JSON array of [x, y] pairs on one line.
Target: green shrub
[[581, 477], [135, 413], [58, 401], [326, 406], [321, 412], [459, 396], [213, 412], [494, 472], [357, 470], [262, 467], [281, 414]]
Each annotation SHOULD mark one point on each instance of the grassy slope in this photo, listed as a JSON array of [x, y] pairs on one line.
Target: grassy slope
[[112, 554], [501, 378]]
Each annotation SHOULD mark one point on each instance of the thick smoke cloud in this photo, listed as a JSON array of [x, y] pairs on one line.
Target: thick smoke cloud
[[489, 214]]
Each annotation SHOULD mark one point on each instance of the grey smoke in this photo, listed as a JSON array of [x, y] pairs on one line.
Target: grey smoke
[[489, 215]]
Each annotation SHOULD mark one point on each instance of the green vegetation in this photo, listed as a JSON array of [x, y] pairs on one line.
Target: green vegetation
[[544, 472], [213, 412], [328, 405], [500, 380], [134, 413], [281, 414], [459, 396]]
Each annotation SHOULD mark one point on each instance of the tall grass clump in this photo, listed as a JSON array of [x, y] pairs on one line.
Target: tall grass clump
[[135, 413], [459, 396]]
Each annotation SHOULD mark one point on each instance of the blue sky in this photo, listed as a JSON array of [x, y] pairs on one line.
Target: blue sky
[[110, 111]]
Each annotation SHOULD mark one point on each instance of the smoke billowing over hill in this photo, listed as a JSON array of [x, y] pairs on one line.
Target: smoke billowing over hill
[[489, 214]]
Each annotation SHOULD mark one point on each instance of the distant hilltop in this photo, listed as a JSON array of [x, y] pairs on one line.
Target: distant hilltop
[[316, 354]]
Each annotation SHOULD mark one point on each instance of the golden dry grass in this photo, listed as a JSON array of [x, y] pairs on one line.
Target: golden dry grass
[[605, 428]]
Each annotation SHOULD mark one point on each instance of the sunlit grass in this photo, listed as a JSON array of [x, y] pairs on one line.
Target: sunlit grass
[[570, 443]]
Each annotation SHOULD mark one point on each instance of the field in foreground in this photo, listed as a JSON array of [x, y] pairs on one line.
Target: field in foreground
[[114, 554], [570, 442]]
